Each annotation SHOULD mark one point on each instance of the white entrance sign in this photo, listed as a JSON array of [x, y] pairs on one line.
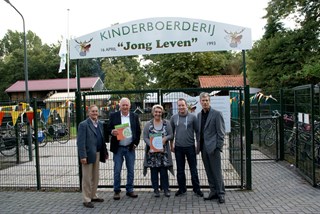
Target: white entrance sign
[[159, 36]]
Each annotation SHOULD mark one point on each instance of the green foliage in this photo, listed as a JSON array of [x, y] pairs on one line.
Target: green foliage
[[287, 57], [42, 59], [182, 70], [122, 73]]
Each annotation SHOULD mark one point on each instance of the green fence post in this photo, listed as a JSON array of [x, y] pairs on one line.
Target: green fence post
[[281, 126], [248, 138], [35, 127], [314, 181], [78, 120]]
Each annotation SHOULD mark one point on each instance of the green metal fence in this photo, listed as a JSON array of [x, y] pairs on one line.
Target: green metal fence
[[142, 102], [294, 134], [49, 160]]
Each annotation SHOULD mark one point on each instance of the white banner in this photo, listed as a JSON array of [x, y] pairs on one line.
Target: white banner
[[159, 36]]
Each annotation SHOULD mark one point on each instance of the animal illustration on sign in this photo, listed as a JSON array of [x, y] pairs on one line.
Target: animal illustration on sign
[[234, 38], [84, 46]]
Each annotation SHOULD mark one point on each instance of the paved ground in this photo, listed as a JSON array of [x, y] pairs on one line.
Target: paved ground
[[277, 188]]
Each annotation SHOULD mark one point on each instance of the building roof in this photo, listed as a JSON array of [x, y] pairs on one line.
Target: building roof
[[221, 81], [53, 84]]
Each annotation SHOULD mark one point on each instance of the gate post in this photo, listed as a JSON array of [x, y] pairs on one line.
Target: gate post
[[247, 124], [36, 143], [281, 125], [248, 138], [78, 120]]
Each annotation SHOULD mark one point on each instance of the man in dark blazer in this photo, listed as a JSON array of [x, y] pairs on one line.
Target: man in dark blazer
[[91, 150], [212, 131], [124, 148]]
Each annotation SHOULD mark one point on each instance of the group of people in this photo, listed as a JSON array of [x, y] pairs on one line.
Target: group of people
[[185, 136]]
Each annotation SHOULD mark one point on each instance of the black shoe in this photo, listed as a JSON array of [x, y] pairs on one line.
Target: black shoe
[[167, 193], [97, 200], [156, 193], [132, 194], [221, 199], [211, 197], [116, 196], [199, 193], [88, 204], [178, 193]]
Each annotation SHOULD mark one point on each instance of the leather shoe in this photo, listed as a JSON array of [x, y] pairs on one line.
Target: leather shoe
[[221, 199], [156, 193], [179, 192], [211, 197], [97, 200], [167, 193], [116, 196], [199, 193], [88, 204], [132, 194]]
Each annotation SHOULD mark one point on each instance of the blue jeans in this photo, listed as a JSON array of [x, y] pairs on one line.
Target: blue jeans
[[129, 156], [164, 179], [181, 153]]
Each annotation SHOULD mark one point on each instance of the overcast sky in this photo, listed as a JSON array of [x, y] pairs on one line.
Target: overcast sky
[[50, 19]]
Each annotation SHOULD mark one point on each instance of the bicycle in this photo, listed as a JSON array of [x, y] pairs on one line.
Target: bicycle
[[289, 135], [306, 140], [290, 141], [8, 142], [55, 132], [271, 129], [9, 139]]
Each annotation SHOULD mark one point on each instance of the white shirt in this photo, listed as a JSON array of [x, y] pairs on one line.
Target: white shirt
[[125, 119]]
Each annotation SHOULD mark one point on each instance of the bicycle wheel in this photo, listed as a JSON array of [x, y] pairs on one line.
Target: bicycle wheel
[[64, 137], [306, 146], [25, 143], [8, 146], [266, 125], [290, 142], [41, 140], [317, 154], [270, 138]]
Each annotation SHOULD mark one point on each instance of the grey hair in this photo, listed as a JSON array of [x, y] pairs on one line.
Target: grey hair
[[204, 94], [92, 106], [125, 99]]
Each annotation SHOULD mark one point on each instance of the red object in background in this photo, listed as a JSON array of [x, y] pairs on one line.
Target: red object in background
[[1, 117], [30, 116]]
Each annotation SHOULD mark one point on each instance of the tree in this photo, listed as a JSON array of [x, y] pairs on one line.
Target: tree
[[287, 57], [123, 73], [43, 60], [182, 70]]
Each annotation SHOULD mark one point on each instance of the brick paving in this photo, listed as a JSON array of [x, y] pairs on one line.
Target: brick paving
[[277, 188]]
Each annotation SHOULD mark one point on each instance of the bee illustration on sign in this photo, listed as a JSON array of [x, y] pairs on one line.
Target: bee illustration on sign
[[234, 38], [84, 46]]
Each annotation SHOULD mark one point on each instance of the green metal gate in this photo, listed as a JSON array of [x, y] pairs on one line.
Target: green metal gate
[[234, 153]]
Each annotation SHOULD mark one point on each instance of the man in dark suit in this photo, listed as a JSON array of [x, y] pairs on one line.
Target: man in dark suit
[[212, 131], [124, 148], [91, 150]]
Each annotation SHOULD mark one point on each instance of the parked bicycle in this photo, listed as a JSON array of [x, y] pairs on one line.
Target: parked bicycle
[[304, 139], [51, 133], [9, 139], [270, 137]]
